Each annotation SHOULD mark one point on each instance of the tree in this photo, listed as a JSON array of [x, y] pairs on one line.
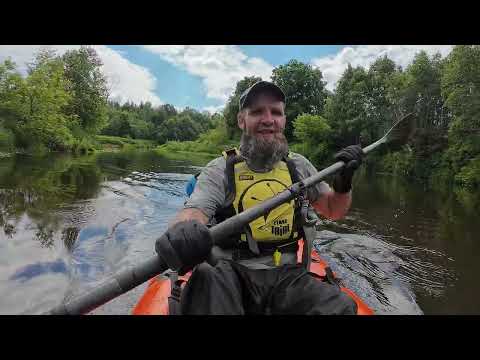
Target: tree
[[346, 111], [311, 128], [423, 78], [178, 128], [304, 89], [460, 86], [202, 120], [119, 123], [379, 114], [11, 87], [37, 104], [88, 87], [313, 134], [232, 107]]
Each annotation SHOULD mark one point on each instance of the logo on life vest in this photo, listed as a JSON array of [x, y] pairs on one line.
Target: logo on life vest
[[245, 177], [280, 227]]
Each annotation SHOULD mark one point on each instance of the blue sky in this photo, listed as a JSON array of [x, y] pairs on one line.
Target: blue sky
[[203, 77]]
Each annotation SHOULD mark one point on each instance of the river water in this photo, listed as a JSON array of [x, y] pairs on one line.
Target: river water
[[68, 222]]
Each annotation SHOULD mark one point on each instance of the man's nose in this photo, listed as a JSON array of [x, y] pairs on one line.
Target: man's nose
[[267, 118]]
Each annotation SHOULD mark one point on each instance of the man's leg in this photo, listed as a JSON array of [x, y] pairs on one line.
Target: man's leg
[[212, 291], [298, 292]]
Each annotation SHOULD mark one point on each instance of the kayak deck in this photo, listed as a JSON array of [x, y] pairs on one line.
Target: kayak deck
[[155, 298]]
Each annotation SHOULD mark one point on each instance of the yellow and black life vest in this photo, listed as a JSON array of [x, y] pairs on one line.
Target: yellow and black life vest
[[247, 188]]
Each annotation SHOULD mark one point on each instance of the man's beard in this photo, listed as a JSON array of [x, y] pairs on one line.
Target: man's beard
[[261, 154]]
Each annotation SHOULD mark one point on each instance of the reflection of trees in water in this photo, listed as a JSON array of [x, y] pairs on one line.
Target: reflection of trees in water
[[9, 229], [42, 187], [122, 163], [8, 210], [69, 236], [45, 236], [38, 186]]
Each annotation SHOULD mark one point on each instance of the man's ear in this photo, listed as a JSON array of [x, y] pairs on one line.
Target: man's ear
[[241, 120]]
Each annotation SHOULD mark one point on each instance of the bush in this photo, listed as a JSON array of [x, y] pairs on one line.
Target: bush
[[7, 141], [398, 163], [469, 175]]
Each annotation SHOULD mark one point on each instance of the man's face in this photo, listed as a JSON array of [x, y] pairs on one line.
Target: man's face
[[264, 118]]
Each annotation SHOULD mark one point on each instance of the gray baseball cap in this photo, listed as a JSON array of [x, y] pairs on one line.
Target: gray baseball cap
[[257, 88]]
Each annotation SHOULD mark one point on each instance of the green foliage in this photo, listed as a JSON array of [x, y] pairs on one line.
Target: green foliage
[[110, 143], [423, 78], [212, 142], [88, 87], [304, 89], [313, 134], [7, 141], [469, 175], [347, 109], [398, 163], [460, 87], [119, 123], [35, 106], [178, 128], [311, 128]]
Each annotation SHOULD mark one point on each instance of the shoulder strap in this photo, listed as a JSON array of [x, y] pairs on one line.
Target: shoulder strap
[[308, 218], [230, 152], [232, 157], [292, 168]]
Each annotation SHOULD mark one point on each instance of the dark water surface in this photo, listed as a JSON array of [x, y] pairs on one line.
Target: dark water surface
[[68, 222]]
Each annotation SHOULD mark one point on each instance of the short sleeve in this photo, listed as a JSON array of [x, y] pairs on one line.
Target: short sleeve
[[209, 193]]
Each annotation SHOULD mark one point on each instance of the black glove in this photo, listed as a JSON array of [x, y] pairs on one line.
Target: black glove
[[352, 157], [184, 245]]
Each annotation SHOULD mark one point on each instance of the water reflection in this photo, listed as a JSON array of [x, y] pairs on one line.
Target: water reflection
[[87, 216]]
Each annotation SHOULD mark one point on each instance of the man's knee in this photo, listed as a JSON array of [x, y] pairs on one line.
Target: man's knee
[[204, 271]]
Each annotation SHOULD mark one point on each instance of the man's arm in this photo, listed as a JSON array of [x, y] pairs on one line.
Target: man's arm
[[207, 196], [333, 205]]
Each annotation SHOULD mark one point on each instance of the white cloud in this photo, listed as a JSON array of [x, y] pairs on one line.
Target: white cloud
[[126, 80], [333, 66], [220, 66]]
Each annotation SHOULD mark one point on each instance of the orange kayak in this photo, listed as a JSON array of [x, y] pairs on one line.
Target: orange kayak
[[154, 300]]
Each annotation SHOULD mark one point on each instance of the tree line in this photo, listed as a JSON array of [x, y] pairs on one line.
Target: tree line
[[63, 102], [443, 93]]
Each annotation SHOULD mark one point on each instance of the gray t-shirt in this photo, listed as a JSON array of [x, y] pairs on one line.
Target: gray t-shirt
[[210, 189]]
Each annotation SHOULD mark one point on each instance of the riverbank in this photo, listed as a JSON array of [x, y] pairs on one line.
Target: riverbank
[[116, 143], [88, 145]]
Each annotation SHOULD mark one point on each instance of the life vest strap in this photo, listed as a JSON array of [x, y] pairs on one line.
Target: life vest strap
[[175, 293], [242, 251]]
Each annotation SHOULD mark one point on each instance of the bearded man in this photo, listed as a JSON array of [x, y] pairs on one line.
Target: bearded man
[[257, 272]]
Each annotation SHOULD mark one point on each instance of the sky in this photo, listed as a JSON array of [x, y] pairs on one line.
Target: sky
[[204, 76]]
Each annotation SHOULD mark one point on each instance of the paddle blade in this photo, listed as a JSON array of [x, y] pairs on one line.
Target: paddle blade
[[399, 134]]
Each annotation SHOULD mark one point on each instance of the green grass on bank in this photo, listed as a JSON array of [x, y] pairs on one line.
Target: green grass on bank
[[196, 147], [113, 143]]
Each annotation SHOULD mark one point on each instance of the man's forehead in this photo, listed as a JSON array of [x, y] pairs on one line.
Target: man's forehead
[[265, 99]]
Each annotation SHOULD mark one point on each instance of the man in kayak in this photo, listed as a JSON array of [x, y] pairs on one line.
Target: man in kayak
[[257, 271]]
